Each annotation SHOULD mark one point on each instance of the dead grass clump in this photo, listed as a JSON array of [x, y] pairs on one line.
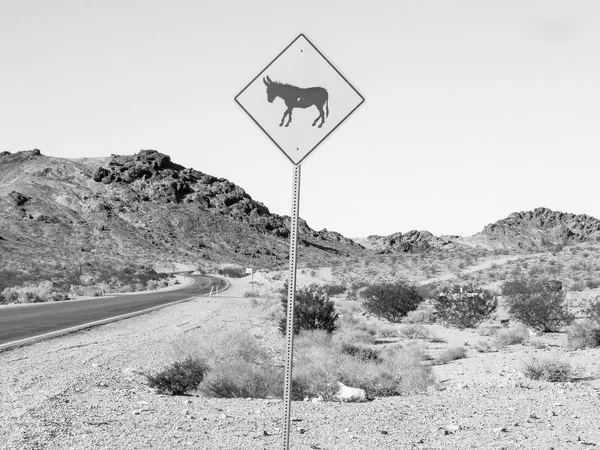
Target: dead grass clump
[[352, 321], [538, 343], [415, 331], [512, 336], [451, 354], [321, 364], [583, 334], [484, 347], [488, 330], [547, 369], [424, 314], [242, 379], [42, 292]]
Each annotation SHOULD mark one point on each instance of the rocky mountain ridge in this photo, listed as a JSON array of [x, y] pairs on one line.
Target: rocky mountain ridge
[[524, 230], [143, 207]]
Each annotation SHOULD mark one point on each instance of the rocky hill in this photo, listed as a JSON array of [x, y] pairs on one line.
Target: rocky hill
[[143, 208], [411, 242], [520, 231], [535, 229]]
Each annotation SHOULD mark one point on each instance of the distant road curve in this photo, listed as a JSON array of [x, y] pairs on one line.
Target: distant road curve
[[23, 324]]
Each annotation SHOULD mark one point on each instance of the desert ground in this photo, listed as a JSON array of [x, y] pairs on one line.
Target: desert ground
[[87, 390]]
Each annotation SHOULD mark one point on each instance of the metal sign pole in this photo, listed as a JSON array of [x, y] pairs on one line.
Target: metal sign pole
[[287, 389]]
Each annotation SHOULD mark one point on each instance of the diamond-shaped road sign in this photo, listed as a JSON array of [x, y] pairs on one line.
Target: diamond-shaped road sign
[[299, 99]]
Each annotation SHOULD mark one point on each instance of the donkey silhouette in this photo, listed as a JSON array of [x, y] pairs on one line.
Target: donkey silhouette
[[295, 97]]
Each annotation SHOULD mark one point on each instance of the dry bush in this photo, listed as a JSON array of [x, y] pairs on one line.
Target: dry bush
[[583, 334], [424, 314], [488, 330], [239, 365], [512, 336], [243, 379], [451, 354], [537, 343], [484, 347], [415, 331], [547, 369], [321, 364], [349, 321], [42, 292], [593, 309]]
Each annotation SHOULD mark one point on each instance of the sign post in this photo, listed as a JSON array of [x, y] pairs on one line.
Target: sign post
[[300, 82]]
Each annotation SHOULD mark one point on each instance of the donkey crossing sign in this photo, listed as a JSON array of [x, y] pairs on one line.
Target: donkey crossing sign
[[299, 99]]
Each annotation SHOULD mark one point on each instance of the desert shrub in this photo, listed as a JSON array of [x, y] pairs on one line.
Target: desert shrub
[[349, 321], [451, 354], [251, 294], [415, 331], [320, 365], [537, 343], [465, 306], [334, 289], [359, 351], [312, 310], [424, 314], [242, 379], [583, 334], [233, 272], [178, 378], [547, 369], [391, 301], [42, 292], [592, 310], [539, 304], [511, 336], [240, 365], [483, 347], [488, 331]]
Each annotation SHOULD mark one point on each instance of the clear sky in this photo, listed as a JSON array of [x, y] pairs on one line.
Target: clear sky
[[475, 109]]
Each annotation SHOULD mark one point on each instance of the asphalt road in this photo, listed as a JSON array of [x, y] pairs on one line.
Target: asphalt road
[[26, 321]]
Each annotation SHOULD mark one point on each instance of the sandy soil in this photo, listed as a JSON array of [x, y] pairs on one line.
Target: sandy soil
[[85, 391]]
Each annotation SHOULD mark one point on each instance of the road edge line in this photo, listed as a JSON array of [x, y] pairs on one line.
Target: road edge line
[[53, 334]]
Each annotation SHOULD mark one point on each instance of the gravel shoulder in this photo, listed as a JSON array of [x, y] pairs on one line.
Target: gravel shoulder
[[85, 391]]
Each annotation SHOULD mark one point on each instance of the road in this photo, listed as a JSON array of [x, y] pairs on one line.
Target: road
[[19, 322]]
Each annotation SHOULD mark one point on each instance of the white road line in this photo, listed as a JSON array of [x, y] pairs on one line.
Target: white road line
[[41, 337]]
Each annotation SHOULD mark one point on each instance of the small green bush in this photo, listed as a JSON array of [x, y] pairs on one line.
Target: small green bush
[[465, 306], [451, 354], [312, 310], [391, 301], [179, 378], [547, 369], [538, 303], [583, 334]]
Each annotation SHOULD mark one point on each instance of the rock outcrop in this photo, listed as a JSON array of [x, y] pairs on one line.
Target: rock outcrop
[[539, 228]]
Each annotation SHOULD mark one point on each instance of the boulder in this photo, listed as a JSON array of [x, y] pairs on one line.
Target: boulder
[[350, 394]]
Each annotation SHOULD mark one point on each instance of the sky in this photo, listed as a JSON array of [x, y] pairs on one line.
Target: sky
[[474, 109]]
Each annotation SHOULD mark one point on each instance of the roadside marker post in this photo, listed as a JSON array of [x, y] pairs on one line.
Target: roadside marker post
[[299, 83]]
